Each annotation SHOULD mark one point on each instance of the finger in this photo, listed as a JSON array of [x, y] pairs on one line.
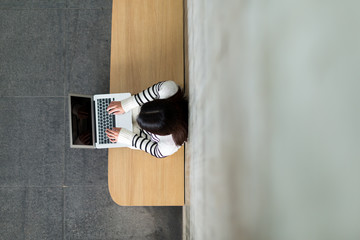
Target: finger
[[112, 105], [115, 134], [113, 139], [108, 131], [109, 108], [110, 135], [113, 131], [113, 110], [117, 113]]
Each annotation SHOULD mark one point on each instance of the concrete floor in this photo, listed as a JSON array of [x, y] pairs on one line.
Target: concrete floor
[[274, 122], [47, 190]]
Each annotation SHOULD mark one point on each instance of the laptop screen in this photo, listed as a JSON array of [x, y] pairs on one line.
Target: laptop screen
[[81, 120]]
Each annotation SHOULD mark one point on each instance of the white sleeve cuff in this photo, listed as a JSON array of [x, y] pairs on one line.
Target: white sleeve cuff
[[125, 137], [129, 103], [168, 89]]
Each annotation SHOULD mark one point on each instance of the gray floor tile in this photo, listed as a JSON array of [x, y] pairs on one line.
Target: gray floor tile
[[90, 4], [31, 4], [12, 209], [88, 51], [32, 141], [168, 221], [84, 166], [44, 214], [32, 52], [85, 206], [31, 213]]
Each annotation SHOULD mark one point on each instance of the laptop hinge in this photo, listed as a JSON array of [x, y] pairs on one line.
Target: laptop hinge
[[94, 121]]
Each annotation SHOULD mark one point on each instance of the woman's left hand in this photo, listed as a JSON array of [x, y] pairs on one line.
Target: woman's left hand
[[115, 107], [113, 134]]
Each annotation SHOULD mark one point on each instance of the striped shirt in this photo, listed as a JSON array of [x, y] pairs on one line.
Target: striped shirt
[[158, 146]]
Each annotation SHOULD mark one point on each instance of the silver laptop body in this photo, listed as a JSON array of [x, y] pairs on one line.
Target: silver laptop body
[[89, 120]]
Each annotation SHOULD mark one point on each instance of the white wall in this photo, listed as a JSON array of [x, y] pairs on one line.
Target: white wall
[[275, 114]]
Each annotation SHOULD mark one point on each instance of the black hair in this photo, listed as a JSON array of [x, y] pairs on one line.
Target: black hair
[[166, 116]]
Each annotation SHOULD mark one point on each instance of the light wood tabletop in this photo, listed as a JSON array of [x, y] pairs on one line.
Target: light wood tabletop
[[146, 47]]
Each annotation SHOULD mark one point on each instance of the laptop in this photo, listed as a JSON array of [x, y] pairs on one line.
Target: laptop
[[89, 120]]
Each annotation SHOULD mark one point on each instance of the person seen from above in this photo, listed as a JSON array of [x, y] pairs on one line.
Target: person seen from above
[[160, 120]]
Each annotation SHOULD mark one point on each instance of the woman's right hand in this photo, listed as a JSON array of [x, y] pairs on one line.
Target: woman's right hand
[[115, 108], [113, 134]]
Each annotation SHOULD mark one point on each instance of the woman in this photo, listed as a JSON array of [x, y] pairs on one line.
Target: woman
[[160, 120]]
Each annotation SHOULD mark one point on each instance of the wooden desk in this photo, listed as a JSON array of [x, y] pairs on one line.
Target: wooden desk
[[146, 47]]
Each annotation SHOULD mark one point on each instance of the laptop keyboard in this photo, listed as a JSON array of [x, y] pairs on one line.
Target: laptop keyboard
[[105, 120]]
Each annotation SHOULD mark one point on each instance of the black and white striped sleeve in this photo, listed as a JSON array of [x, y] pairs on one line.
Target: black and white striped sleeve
[[160, 90], [147, 146], [131, 139]]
